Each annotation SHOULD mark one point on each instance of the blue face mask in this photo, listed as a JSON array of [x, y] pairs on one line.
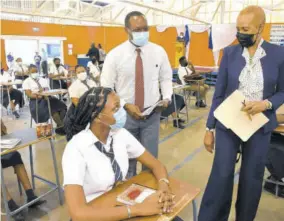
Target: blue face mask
[[120, 119], [140, 38]]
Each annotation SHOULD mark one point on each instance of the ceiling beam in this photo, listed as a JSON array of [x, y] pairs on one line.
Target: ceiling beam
[[190, 7], [13, 11], [217, 9], [42, 5], [163, 11], [118, 14]]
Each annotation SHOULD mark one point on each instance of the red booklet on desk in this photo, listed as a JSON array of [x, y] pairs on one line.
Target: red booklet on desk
[[135, 194]]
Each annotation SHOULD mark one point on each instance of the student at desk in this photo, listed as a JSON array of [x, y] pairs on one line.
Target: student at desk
[[187, 75], [94, 70], [81, 85], [58, 109], [16, 96], [57, 70], [20, 71], [96, 159], [14, 160]]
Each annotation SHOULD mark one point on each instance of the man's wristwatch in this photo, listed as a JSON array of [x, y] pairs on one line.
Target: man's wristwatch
[[269, 105], [164, 180], [210, 129]]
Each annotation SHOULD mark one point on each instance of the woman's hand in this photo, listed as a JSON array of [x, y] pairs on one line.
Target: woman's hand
[[209, 141], [255, 107], [149, 207]]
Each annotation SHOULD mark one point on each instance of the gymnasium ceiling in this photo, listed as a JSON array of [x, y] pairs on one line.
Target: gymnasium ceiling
[[112, 12]]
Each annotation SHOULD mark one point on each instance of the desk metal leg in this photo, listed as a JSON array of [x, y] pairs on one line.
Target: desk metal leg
[[5, 196], [9, 98], [186, 107], [32, 166], [194, 210], [50, 114], [56, 171]]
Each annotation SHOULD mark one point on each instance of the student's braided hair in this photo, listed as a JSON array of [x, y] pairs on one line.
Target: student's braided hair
[[89, 107]]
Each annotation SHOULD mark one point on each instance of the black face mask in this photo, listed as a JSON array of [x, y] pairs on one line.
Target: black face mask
[[246, 40], [94, 60], [57, 65]]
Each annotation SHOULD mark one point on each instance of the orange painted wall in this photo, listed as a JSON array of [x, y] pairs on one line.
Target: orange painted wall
[[82, 36]]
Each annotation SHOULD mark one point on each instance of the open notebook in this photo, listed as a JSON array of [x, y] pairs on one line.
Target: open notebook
[[9, 143], [230, 115]]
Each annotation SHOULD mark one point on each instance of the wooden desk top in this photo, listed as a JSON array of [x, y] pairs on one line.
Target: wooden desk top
[[280, 110], [280, 129], [10, 83], [28, 137], [52, 92], [185, 194]]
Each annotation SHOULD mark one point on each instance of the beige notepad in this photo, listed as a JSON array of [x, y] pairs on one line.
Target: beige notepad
[[280, 110], [230, 115]]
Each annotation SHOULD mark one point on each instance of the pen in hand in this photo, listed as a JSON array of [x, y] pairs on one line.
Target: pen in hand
[[249, 116]]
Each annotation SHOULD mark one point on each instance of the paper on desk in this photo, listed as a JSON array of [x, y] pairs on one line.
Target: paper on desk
[[151, 109], [230, 115], [9, 143]]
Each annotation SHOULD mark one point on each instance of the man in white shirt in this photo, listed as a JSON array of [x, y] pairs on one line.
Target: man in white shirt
[[57, 70], [187, 76], [135, 69]]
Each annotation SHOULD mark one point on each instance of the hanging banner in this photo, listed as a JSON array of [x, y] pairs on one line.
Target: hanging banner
[[277, 34], [180, 51]]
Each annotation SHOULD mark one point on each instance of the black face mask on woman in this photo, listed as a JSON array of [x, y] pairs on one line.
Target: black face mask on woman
[[246, 40]]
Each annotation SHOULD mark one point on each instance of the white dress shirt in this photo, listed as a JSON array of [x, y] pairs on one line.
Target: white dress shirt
[[21, 69], [30, 84], [251, 77], [77, 88], [94, 69], [56, 71], [119, 72], [83, 164], [102, 54], [183, 71], [5, 77]]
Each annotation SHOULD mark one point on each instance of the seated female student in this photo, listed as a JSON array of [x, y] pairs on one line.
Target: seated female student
[[58, 109], [57, 70], [171, 110], [94, 70], [81, 85], [16, 96], [20, 71], [14, 160], [96, 159]]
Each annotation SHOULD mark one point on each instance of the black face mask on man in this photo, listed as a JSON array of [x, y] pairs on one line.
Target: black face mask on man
[[94, 60], [246, 40], [184, 64], [57, 65]]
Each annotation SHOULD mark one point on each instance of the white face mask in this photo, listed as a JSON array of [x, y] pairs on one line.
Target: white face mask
[[20, 63], [35, 75], [140, 38], [82, 76]]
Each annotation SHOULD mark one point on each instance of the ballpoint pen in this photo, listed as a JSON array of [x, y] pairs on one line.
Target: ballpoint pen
[[244, 103]]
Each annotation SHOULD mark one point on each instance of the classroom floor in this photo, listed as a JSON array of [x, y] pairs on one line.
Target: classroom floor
[[181, 151]]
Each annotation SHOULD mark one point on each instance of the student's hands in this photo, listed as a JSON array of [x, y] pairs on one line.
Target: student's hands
[[133, 111], [255, 107], [166, 197], [149, 207], [209, 141], [163, 106]]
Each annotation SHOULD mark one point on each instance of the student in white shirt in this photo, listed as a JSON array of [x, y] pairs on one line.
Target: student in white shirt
[[81, 85], [56, 70], [187, 74], [16, 96], [135, 69], [102, 54], [96, 159], [94, 70], [20, 71], [35, 83]]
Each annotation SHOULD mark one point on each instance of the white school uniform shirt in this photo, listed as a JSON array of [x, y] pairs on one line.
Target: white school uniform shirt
[[83, 164], [77, 88], [19, 68], [94, 69], [102, 54], [30, 84], [53, 70], [119, 72], [183, 71], [6, 77]]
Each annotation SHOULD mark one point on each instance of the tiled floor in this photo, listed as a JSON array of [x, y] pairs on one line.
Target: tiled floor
[[181, 151]]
